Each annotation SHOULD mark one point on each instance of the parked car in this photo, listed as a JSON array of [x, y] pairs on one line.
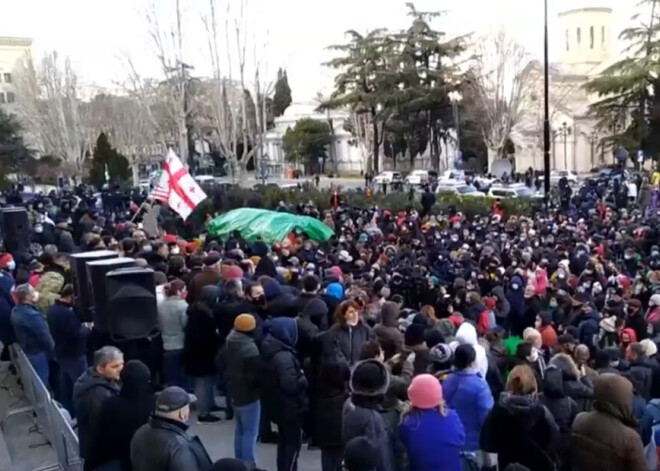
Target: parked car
[[388, 177], [421, 177], [460, 189], [512, 191], [557, 175]]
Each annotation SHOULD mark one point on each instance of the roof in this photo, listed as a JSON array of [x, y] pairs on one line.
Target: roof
[[15, 41]]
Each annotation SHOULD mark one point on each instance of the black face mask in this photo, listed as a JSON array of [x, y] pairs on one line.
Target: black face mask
[[259, 300]]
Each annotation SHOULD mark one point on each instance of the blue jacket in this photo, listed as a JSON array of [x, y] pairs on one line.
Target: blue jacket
[[469, 395], [7, 336], [516, 298], [31, 330], [68, 333], [433, 442]]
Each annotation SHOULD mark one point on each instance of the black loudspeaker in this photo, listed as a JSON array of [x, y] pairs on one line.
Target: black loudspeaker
[[15, 229], [96, 272], [83, 296], [132, 310]]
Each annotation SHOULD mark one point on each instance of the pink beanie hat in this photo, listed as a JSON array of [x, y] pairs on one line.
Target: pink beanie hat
[[425, 392]]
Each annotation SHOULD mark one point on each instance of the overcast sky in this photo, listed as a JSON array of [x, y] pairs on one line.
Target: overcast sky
[[98, 34]]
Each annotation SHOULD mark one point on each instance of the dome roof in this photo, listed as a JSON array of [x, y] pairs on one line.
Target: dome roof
[[577, 5]]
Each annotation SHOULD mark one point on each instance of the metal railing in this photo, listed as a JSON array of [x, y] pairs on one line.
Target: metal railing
[[47, 413]]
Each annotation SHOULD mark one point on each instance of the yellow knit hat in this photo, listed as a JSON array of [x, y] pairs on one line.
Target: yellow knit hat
[[245, 323]]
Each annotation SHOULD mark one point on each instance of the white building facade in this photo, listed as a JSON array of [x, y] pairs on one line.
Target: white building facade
[[12, 51]]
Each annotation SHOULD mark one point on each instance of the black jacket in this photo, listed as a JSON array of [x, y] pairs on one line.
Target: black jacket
[[531, 433], [89, 393], [201, 342], [225, 312], [242, 367], [163, 444], [283, 377], [346, 341], [580, 389], [68, 333], [642, 371]]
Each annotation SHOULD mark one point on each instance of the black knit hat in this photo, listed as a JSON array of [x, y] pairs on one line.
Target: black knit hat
[[414, 335], [369, 378], [360, 455]]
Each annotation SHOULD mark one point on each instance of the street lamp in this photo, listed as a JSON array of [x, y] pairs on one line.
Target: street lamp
[[546, 97], [564, 132], [455, 98], [555, 133]]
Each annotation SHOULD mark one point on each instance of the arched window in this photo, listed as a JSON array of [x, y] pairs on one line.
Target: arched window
[[579, 36], [592, 37]]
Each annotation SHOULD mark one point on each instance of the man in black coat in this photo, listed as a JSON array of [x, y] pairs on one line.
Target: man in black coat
[[639, 368], [233, 305], [287, 388], [162, 444], [310, 289], [97, 384]]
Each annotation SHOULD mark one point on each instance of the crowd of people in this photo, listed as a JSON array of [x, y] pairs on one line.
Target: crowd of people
[[441, 342]]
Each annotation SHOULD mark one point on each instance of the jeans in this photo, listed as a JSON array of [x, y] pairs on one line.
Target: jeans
[[173, 370], [70, 371], [331, 458], [289, 443], [246, 431], [204, 390], [39, 362]]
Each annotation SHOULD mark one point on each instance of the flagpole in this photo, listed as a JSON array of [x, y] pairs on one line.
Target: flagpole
[[140, 208]]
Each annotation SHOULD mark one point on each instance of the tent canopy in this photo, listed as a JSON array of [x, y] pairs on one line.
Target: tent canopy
[[272, 226]]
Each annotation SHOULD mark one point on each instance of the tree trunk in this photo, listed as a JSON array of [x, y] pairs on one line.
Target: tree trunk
[[135, 171], [376, 145], [492, 155]]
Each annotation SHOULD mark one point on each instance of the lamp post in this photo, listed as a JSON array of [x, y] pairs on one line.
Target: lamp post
[[555, 133], [455, 98], [564, 132], [546, 96]]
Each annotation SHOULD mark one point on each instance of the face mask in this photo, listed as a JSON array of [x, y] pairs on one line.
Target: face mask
[[36, 296], [514, 286], [146, 248], [38, 229], [175, 251], [352, 323], [11, 266], [259, 300], [553, 303], [534, 356]]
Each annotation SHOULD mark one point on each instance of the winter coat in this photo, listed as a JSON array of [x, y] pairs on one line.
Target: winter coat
[[605, 438], [563, 408], [387, 331], [516, 298], [31, 330], [121, 416], [467, 334], [314, 309], [468, 394], [68, 333], [433, 441], [201, 342], [503, 307], [7, 336], [308, 328], [580, 389], [637, 323], [346, 341], [361, 417], [204, 278], [283, 377], [163, 444], [49, 287], [642, 370], [226, 312], [242, 368], [89, 393], [172, 320], [521, 430]]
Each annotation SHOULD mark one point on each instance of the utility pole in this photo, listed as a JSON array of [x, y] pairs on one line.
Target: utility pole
[[546, 117]]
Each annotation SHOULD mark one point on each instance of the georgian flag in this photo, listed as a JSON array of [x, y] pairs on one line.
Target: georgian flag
[[177, 188]]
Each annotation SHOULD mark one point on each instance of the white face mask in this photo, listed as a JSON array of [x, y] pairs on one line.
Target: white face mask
[[11, 266], [36, 296], [534, 355], [38, 229], [175, 251], [352, 323]]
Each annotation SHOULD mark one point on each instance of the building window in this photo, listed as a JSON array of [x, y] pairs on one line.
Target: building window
[[579, 36], [568, 42], [592, 38], [7, 77], [11, 97], [602, 36], [2, 98]]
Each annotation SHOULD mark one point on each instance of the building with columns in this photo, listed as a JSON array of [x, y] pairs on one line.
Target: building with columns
[[587, 48]]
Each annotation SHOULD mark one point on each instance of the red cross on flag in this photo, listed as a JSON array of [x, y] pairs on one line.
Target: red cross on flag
[[177, 188]]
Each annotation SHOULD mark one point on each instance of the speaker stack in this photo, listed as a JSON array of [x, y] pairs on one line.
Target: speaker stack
[[15, 229], [132, 309], [96, 273], [81, 283]]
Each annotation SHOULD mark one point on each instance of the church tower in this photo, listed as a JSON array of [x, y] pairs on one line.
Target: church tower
[[586, 37]]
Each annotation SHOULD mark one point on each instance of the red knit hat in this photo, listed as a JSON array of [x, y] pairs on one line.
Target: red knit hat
[[232, 272], [490, 303], [5, 259], [169, 239]]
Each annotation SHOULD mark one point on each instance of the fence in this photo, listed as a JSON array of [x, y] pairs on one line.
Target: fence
[[48, 414]]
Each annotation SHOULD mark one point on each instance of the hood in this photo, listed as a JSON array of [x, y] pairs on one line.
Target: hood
[[466, 333], [314, 308], [567, 366], [135, 379], [91, 379], [553, 382], [211, 295], [614, 395], [242, 344], [389, 314], [265, 267], [446, 327], [272, 288], [498, 292], [335, 290], [284, 329], [524, 409], [369, 378]]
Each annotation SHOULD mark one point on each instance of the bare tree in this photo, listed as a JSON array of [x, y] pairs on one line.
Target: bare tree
[[500, 71], [52, 109]]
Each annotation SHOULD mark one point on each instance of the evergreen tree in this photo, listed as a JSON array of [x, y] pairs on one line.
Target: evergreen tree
[[629, 90], [306, 143], [282, 97], [106, 158], [15, 156]]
